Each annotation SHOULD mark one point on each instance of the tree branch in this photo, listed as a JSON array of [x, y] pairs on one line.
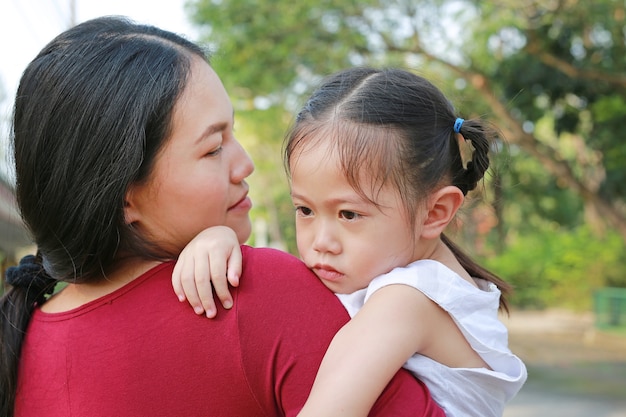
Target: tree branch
[[570, 70], [514, 133]]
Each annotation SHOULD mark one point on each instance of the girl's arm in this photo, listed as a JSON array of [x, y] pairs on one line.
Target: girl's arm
[[396, 322], [287, 321], [209, 262]]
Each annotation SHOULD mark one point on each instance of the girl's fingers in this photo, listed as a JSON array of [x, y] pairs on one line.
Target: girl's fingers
[[189, 283], [220, 283], [176, 280], [235, 266], [202, 285]]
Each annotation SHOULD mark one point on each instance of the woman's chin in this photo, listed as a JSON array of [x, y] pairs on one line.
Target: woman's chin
[[243, 230]]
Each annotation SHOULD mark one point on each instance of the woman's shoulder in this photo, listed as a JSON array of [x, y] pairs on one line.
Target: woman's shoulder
[[273, 263], [267, 255], [276, 283]]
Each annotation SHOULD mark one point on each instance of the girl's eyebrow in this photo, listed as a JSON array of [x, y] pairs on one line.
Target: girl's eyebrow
[[335, 201]]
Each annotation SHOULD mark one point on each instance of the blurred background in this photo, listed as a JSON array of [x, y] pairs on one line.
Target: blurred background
[[550, 74]]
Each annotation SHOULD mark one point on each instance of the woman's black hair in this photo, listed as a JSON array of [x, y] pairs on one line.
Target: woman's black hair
[[91, 113], [400, 128]]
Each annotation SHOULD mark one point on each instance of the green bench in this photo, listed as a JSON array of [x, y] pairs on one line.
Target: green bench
[[610, 307]]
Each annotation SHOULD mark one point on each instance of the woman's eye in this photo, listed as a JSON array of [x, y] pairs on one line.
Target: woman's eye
[[215, 151], [304, 211], [348, 215]]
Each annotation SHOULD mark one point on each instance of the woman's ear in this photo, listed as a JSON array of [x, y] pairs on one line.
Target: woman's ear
[[442, 208], [131, 213]]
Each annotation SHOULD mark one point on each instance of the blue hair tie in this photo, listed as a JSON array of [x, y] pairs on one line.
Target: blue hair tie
[[457, 125]]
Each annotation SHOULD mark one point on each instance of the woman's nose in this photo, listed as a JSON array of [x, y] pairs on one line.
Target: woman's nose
[[242, 165]]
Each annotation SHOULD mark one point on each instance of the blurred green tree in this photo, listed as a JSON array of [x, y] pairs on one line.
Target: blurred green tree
[[550, 74]]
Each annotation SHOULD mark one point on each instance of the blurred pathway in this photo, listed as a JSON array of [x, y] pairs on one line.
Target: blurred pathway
[[574, 369], [534, 403]]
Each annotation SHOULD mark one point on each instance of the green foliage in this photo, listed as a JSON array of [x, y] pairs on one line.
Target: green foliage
[[568, 64], [560, 268], [552, 71], [261, 133], [269, 45], [608, 114], [532, 198]]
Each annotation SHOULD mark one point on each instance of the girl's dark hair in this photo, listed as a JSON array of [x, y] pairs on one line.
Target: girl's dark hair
[[92, 111], [398, 127]]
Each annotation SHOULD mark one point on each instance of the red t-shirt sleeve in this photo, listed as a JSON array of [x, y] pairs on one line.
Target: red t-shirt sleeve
[[287, 319]]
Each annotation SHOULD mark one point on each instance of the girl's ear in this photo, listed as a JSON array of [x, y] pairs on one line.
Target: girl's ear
[[442, 208]]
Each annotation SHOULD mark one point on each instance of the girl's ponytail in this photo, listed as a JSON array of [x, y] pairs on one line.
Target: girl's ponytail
[[478, 271], [474, 132]]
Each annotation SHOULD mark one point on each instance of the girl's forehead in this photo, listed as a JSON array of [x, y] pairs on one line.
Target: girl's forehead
[[314, 158], [367, 154], [321, 162]]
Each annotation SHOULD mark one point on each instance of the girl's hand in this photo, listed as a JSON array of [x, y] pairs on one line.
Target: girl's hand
[[209, 262]]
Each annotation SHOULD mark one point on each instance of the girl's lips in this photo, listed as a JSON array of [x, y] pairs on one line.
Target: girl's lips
[[327, 273]]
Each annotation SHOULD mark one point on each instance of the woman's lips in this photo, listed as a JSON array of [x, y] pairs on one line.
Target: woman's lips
[[327, 273], [244, 204]]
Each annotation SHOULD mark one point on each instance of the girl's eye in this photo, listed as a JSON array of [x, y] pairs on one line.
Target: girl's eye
[[303, 211], [348, 215]]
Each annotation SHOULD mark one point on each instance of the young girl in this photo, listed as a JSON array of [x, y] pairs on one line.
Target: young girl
[[376, 176]]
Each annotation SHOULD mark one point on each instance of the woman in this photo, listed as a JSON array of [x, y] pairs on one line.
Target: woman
[[124, 151]]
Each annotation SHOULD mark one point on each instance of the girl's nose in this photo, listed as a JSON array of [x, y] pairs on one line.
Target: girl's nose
[[326, 240]]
